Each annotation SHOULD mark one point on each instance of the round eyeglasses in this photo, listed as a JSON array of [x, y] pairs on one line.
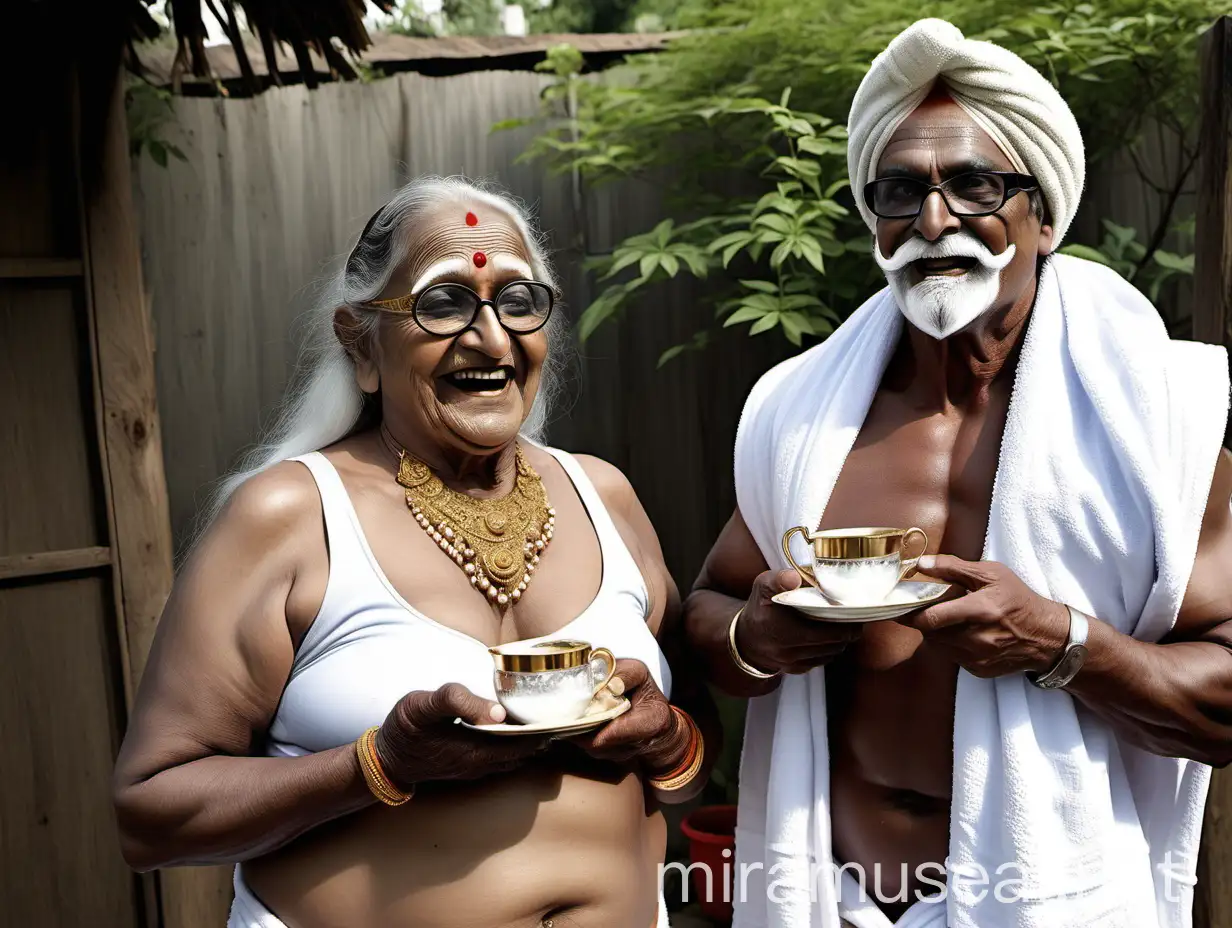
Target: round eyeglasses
[[978, 193], [521, 307]]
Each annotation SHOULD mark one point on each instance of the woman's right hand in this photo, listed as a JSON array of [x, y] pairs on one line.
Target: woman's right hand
[[778, 639], [419, 740]]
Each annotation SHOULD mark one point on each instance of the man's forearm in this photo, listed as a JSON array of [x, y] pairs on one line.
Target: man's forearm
[[707, 617], [1171, 699]]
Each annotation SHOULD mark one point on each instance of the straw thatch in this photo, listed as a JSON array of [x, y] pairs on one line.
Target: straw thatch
[[323, 27]]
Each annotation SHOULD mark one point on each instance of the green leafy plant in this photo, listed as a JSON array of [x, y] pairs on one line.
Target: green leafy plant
[[1121, 250], [754, 188], [149, 110]]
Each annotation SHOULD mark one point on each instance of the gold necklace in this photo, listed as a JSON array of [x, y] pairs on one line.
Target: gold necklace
[[498, 542]]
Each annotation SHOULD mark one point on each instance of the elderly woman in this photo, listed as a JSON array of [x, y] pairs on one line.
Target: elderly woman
[[300, 712]]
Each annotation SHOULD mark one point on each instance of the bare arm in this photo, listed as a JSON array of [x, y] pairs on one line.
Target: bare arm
[[689, 690], [186, 789], [771, 638], [1172, 698], [1175, 698]]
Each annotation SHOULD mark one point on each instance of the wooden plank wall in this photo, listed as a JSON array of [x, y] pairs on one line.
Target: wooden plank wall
[[62, 704], [277, 186], [1213, 323]]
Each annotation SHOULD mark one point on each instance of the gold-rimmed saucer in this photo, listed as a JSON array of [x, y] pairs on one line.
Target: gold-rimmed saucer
[[908, 596], [585, 723]]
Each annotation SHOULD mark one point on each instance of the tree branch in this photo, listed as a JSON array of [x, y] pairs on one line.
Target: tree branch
[[1165, 217]]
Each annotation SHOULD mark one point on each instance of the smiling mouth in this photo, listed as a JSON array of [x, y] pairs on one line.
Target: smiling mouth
[[480, 380], [950, 267]]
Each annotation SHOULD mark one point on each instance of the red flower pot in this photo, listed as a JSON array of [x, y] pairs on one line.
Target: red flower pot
[[711, 830]]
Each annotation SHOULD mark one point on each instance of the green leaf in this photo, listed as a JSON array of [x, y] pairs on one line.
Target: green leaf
[[670, 353], [621, 260], [662, 233], [159, 153], [762, 286], [785, 96], [812, 254], [599, 312], [670, 263], [836, 187], [744, 314], [764, 324], [1087, 253], [648, 264], [781, 253], [507, 124], [775, 221], [1177, 263]]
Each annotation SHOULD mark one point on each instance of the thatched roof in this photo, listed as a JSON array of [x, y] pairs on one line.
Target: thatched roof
[[388, 53], [305, 27]]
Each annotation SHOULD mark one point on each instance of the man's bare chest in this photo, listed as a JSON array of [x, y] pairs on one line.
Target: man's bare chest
[[932, 470]]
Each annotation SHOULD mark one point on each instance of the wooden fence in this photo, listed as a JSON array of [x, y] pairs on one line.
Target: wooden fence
[[276, 186]]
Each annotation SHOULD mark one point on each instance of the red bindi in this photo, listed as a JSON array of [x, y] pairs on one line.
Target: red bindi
[[479, 258], [472, 219]]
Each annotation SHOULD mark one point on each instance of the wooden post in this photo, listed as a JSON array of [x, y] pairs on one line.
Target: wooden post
[[1212, 319], [1212, 316], [123, 339]]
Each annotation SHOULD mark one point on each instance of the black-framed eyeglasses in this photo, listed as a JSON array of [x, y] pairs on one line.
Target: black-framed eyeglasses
[[976, 193], [521, 306]]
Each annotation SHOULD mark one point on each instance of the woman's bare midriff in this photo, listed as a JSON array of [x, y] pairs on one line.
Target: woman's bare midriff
[[508, 852]]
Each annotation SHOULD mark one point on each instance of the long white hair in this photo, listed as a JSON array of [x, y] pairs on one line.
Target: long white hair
[[323, 403]]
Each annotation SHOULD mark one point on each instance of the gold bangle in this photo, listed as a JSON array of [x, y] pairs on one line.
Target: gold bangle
[[735, 654], [691, 750], [370, 763], [668, 784]]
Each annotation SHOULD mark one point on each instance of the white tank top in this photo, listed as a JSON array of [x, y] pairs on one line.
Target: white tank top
[[368, 647]]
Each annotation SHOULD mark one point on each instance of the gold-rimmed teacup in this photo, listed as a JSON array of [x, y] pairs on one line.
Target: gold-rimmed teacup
[[856, 566], [546, 682]]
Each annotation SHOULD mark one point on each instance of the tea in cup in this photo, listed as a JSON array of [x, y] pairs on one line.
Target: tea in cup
[[547, 682], [856, 566]]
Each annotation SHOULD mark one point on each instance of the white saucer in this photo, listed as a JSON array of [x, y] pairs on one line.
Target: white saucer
[[906, 597], [585, 723]]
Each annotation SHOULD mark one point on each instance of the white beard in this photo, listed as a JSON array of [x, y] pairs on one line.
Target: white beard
[[943, 305]]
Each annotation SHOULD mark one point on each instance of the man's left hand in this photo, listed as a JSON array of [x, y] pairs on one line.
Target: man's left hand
[[999, 627]]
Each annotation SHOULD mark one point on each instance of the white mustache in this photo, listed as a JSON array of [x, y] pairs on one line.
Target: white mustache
[[956, 245]]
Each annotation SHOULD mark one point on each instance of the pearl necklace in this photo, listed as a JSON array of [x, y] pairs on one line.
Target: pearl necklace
[[497, 542]]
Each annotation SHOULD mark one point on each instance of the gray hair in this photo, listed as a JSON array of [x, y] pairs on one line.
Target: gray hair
[[323, 403]]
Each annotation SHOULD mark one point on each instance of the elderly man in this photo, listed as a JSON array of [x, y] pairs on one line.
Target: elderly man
[[1034, 750]]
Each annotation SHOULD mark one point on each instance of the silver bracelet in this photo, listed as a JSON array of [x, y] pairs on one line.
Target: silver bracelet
[[735, 653]]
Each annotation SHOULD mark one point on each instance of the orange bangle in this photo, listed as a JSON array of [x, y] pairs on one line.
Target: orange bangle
[[374, 775], [688, 768]]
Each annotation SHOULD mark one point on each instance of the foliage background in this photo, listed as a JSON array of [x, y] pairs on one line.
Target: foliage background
[[742, 126]]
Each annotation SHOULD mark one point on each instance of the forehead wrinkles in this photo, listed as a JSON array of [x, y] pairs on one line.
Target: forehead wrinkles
[[945, 132], [442, 238]]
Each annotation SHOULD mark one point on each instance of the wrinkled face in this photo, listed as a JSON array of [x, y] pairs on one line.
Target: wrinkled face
[[469, 392], [947, 271]]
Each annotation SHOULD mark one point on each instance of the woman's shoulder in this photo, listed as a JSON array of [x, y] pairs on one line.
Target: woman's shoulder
[[609, 481], [279, 499]]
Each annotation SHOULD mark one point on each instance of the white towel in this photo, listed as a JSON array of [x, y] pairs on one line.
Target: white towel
[[1106, 462]]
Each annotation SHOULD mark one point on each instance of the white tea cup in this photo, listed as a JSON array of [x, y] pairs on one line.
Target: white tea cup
[[549, 682], [856, 566]]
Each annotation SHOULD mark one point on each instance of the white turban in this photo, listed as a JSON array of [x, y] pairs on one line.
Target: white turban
[[1008, 98]]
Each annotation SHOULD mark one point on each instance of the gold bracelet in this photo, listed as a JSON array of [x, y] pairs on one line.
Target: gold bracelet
[[735, 654], [691, 749], [679, 780], [378, 783]]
